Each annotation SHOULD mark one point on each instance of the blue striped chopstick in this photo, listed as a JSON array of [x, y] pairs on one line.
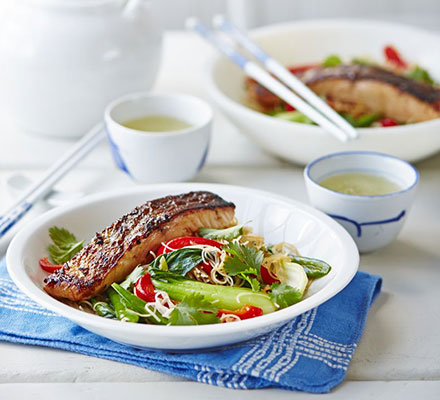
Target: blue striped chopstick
[[274, 85], [50, 178]]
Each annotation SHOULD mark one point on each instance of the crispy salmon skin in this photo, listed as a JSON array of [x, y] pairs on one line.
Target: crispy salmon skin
[[113, 253]]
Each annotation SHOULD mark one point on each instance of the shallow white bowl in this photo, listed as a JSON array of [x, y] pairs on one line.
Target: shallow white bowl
[[277, 218], [306, 42]]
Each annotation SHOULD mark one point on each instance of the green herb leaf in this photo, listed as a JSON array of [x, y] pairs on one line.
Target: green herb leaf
[[284, 295], [242, 258], [194, 309], [421, 75], [179, 261], [253, 282], [332, 61], [65, 245], [313, 267], [226, 234]]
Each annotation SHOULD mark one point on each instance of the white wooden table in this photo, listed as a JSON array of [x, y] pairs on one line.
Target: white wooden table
[[399, 354]]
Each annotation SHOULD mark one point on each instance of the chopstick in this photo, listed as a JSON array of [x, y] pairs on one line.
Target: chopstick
[[283, 74], [267, 80], [39, 189]]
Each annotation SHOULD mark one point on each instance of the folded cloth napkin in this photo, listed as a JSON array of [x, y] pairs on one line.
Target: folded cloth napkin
[[310, 353]]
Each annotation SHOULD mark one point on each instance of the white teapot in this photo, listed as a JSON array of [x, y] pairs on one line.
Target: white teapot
[[62, 61]]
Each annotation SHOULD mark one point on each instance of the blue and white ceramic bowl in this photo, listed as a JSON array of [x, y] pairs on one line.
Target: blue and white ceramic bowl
[[153, 157], [372, 221]]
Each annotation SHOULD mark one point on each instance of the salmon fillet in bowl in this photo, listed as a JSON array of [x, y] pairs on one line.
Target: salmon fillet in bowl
[[368, 88], [164, 211]]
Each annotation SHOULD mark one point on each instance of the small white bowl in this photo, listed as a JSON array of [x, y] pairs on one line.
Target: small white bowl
[[153, 157], [372, 221], [305, 42]]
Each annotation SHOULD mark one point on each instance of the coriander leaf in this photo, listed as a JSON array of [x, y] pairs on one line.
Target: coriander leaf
[[254, 283], [194, 309], [284, 295], [61, 236], [242, 258], [179, 261], [249, 275], [226, 234], [65, 245]]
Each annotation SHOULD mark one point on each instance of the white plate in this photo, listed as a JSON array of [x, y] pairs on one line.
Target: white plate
[[275, 217], [306, 42]]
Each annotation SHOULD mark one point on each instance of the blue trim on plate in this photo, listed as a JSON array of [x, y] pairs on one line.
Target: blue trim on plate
[[117, 155], [359, 225], [375, 153]]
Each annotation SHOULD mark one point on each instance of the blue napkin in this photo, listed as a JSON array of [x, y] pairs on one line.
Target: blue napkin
[[311, 353]]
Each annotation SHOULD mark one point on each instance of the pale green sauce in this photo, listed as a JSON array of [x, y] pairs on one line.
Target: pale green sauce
[[362, 184], [156, 123]]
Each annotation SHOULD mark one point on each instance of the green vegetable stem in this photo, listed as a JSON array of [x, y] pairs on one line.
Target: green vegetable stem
[[227, 297], [226, 234]]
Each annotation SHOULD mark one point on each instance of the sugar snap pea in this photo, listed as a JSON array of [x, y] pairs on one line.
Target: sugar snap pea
[[136, 304], [102, 308], [313, 267], [122, 312]]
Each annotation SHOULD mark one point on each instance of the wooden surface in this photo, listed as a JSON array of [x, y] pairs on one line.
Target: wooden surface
[[399, 354]]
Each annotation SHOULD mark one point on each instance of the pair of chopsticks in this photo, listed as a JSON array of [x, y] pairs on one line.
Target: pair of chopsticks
[[41, 188], [316, 109]]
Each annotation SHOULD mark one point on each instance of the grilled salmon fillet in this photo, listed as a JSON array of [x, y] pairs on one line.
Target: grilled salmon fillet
[[113, 253], [359, 89]]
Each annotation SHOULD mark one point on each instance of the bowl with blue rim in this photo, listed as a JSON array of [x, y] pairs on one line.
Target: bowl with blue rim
[[368, 193]]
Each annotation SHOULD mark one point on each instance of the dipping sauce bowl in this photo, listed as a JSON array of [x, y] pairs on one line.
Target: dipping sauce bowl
[[154, 157], [373, 221]]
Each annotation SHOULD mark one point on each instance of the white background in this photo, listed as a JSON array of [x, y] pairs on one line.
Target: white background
[[423, 13]]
